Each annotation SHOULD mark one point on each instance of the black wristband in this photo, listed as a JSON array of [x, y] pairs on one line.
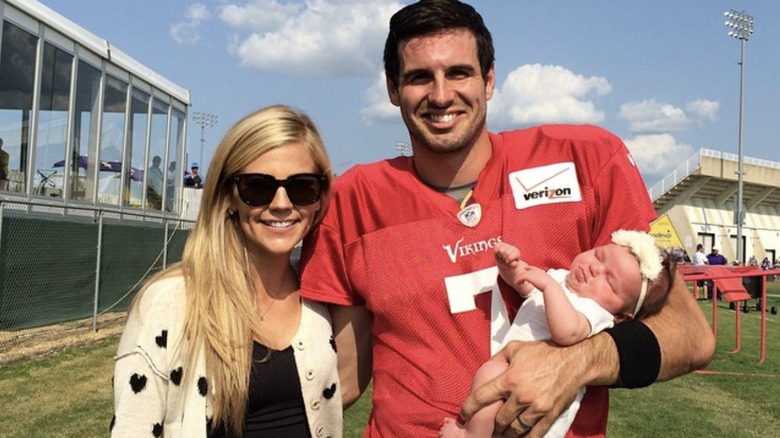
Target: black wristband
[[639, 353]]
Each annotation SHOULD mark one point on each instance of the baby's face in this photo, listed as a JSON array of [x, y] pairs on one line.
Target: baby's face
[[609, 275]]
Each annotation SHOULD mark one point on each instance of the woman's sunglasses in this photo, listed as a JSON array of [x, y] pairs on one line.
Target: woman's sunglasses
[[257, 189]]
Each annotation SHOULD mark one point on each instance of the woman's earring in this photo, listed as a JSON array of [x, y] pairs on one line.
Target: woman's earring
[[231, 214]]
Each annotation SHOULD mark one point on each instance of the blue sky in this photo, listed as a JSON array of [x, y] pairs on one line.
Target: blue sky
[[663, 75]]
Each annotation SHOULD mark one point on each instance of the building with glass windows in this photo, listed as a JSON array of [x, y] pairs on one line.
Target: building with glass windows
[[83, 123], [91, 174]]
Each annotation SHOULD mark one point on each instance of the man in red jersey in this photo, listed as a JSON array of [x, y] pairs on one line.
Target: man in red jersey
[[404, 255]]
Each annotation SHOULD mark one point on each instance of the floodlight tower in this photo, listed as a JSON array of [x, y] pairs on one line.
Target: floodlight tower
[[403, 148], [204, 120], [740, 27]]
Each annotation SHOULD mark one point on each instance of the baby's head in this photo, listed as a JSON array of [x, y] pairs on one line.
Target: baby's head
[[655, 267]]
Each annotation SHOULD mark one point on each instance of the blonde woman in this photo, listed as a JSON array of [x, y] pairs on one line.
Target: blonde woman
[[222, 345]]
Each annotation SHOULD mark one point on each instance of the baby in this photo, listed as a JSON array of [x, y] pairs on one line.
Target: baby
[[628, 278]]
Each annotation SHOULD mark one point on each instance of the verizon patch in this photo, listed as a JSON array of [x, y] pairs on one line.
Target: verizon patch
[[545, 185]]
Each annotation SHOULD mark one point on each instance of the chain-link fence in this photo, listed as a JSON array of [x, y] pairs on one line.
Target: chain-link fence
[[76, 269]]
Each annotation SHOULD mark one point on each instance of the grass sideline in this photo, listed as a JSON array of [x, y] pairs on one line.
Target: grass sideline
[[69, 394]]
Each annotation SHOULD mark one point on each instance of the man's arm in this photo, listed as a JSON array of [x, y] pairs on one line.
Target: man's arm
[[352, 333], [679, 327], [542, 378]]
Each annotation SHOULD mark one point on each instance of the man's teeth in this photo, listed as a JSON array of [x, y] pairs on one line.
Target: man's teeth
[[443, 118]]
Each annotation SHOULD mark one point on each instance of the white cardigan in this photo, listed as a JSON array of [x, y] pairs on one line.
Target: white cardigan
[[150, 400]]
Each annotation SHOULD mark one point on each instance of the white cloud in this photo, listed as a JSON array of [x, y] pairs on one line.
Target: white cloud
[[657, 154], [326, 38], [705, 110], [536, 93], [258, 15], [378, 108], [652, 116], [187, 32], [198, 12]]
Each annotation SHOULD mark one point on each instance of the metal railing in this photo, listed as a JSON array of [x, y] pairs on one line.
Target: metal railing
[[694, 162]]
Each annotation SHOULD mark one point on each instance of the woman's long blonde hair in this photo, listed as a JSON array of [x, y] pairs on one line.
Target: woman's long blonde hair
[[221, 317]]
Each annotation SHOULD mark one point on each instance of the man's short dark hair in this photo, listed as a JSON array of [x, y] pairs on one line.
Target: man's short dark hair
[[427, 17]]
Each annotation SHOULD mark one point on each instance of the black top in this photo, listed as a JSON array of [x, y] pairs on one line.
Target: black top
[[275, 407]]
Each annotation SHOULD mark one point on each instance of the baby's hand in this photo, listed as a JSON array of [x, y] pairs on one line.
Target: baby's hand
[[536, 276], [506, 254]]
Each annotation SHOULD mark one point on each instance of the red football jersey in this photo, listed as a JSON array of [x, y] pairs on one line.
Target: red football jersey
[[395, 245]]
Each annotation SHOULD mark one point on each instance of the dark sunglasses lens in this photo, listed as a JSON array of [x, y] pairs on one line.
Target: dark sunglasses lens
[[261, 189], [303, 189], [257, 189]]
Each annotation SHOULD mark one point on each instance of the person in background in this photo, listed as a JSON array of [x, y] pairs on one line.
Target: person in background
[[405, 258], [170, 186], [766, 264], [699, 258], [222, 345], [193, 179], [714, 258], [154, 189]]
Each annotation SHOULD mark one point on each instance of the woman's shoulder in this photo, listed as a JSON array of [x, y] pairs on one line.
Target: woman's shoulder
[[154, 318], [162, 294]]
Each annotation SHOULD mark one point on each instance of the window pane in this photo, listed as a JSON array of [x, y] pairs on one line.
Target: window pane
[[52, 121], [174, 177], [111, 141], [17, 67], [157, 143], [139, 115], [85, 128]]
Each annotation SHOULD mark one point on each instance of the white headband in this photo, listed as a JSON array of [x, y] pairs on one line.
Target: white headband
[[643, 247]]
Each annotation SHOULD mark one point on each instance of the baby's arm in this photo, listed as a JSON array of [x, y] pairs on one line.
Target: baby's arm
[[511, 266], [567, 325]]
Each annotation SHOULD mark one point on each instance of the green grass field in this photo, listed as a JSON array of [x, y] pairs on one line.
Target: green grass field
[[69, 394]]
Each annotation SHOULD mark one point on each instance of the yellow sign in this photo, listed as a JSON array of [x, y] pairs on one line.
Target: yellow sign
[[664, 234]]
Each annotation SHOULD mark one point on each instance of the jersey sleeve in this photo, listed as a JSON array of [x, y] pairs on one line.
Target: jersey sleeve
[[324, 275], [622, 200]]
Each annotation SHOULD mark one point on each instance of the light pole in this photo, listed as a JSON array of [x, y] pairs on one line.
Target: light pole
[[403, 148], [741, 27], [204, 120]]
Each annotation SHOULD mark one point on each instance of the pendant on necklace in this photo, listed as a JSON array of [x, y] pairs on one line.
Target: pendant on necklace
[[262, 315], [471, 215]]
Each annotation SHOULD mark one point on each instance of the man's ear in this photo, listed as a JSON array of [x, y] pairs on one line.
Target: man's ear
[[392, 92], [490, 82]]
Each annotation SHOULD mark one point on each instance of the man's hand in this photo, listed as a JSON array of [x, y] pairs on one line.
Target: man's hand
[[541, 382]]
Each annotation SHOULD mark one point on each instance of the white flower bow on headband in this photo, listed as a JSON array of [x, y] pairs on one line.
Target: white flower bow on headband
[[643, 246]]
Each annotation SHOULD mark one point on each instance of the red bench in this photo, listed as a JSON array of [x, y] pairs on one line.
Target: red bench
[[728, 280]]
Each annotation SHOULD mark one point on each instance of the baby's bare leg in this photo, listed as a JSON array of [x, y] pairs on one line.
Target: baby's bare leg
[[481, 424]]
